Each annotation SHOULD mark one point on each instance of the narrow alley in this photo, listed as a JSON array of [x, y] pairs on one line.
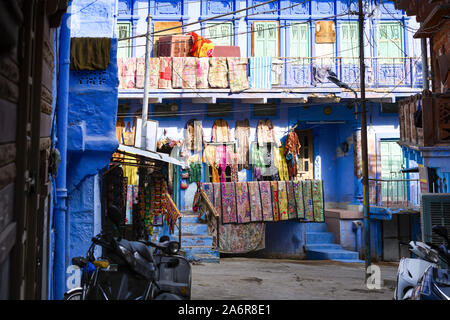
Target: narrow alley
[[274, 279]]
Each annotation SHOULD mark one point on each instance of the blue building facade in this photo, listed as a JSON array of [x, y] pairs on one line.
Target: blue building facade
[[323, 114], [393, 71]]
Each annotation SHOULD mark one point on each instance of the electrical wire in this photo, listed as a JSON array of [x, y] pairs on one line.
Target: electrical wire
[[203, 20]]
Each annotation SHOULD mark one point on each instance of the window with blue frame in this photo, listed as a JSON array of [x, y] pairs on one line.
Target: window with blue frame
[[299, 40], [349, 42], [220, 33], [265, 39], [123, 30], [390, 43]]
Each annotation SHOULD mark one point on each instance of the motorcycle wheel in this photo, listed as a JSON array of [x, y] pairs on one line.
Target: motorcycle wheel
[[74, 295]]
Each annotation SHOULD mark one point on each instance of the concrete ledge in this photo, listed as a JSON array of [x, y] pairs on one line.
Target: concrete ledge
[[343, 214]]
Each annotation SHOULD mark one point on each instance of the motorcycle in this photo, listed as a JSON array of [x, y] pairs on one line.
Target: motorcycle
[[411, 270], [129, 270], [435, 282]]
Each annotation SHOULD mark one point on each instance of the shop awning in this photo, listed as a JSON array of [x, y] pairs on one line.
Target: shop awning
[[151, 155]]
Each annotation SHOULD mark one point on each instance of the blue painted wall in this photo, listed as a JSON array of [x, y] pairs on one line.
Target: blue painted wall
[[91, 129]]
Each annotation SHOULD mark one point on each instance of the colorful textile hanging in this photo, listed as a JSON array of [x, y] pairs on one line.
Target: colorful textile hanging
[[308, 201], [218, 70], [317, 195], [292, 150], [201, 46], [282, 200], [217, 189], [127, 72], [275, 208], [172, 214], [228, 202], [153, 74], [202, 73], [165, 73], [280, 163], [189, 73], [255, 201], [195, 172], [241, 238], [266, 200], [260, 72], [298, 195], [292, 208], [242, 202], [242, 133], [177, 72], [237, 73], [208, 187], [129, 206]]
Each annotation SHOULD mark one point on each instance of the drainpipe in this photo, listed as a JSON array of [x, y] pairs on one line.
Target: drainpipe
[[61, 145], [424, 49]]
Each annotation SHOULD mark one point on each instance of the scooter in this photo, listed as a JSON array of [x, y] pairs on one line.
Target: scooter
[[411, 270], [435, 282], [130, 271]]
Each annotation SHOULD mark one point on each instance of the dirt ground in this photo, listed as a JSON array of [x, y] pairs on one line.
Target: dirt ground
[[264, 279]]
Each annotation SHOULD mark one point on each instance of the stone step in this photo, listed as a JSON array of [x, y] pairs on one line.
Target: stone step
[[189, 219], [331, 254], [319, 246], [319, 237], [196, 240], [194, 228], [316, 227], [203, 257]]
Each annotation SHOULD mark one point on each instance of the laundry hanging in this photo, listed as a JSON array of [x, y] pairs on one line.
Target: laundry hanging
[[202, 70], [256, 210], [242, 133], [218, 72], [291, 151], [308, 200], [228, 202], [237, 74], [317, 195], [292, 208], [275, 208], [242, 202], [241, 238], [282, 200], [298, 195]]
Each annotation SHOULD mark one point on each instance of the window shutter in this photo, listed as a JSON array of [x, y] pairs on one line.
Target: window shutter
[[265, 39], [390, 42], [349, 42], [299, 40], [123, 30], [259, 39], [219, 33]]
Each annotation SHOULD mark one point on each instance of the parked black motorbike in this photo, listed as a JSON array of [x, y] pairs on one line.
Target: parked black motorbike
[[129, 270], [435, 282]]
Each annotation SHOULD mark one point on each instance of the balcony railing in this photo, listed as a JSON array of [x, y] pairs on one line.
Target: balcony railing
[[289, 72], [394, 193]]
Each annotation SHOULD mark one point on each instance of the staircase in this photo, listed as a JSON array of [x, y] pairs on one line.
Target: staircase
[[196, 241], [320, 245]]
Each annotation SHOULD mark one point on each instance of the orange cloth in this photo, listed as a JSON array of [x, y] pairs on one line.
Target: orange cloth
[[201, 47]]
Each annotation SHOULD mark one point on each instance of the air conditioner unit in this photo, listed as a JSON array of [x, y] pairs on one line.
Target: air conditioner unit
[[435, 211]]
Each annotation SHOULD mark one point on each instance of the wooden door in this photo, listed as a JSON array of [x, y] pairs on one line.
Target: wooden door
[[305, 164]]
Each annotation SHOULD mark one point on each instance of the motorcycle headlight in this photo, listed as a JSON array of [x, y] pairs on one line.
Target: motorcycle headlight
[[174, 247]]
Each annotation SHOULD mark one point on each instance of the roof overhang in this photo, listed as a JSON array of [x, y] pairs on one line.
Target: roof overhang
[[151, 155]]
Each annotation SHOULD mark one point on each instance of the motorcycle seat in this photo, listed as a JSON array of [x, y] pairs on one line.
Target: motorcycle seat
[[139, 247]]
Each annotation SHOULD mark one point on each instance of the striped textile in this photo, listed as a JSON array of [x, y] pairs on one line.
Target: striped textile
[[260, 72]]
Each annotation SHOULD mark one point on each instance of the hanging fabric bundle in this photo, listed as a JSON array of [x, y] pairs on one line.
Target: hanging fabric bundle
[[193, 135], [292, 150], [242, 133]]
